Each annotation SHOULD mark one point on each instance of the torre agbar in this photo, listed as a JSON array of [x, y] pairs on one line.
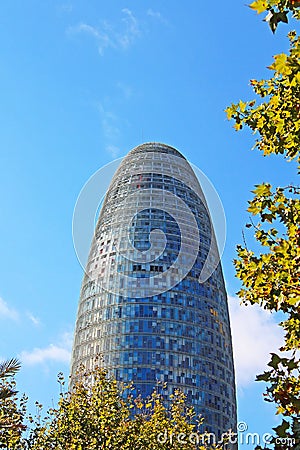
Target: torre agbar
[[153, 302]]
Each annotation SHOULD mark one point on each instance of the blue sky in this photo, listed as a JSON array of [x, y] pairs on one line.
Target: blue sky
[[83, 83]]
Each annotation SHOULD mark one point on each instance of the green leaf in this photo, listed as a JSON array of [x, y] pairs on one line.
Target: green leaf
[[281, 429], [273, 18], [263, 377], [9, 368], [275, 360]]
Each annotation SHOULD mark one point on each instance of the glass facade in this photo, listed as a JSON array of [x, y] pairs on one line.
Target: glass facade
[[142, 306]]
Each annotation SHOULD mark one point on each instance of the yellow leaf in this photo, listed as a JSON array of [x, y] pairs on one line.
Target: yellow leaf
[[280, 64], [259, 6], [237, 126], [242, 106]]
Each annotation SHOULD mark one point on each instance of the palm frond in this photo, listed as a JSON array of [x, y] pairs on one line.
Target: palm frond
[[6, 393], [9, 368]]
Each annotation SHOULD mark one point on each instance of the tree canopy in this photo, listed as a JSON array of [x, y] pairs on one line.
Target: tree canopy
[[12, 415], [271, 278], [99, 413], [278, 10]]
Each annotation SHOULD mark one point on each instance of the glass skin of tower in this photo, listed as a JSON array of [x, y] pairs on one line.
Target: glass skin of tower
[[180, 336]]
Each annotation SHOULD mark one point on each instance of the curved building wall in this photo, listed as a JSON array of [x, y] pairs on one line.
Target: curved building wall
[[142, 306]]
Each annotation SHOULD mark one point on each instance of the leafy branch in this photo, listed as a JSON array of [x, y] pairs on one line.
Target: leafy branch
[[271, 277], [278, 10]]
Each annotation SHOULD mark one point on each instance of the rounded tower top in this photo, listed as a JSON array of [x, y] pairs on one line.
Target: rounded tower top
[[156, 147]]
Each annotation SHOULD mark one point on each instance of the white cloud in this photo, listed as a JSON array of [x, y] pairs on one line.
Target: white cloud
[[126, 90], [35, 320], [106, 35], [131, 29], [255, 335], [66, 7], [157, 15], [10, 313], [110, 129], [108, 123], [60, 352], [102, 38], [7, 312], [113, 150], [50, 353]]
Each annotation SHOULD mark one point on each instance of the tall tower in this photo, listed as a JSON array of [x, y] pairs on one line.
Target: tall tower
[[153, 301]]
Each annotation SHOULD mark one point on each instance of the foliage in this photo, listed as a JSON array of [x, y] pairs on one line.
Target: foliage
[[278, 10], [271, 278], [11, 415], [7, 369], [98, 413], [277, 118]]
